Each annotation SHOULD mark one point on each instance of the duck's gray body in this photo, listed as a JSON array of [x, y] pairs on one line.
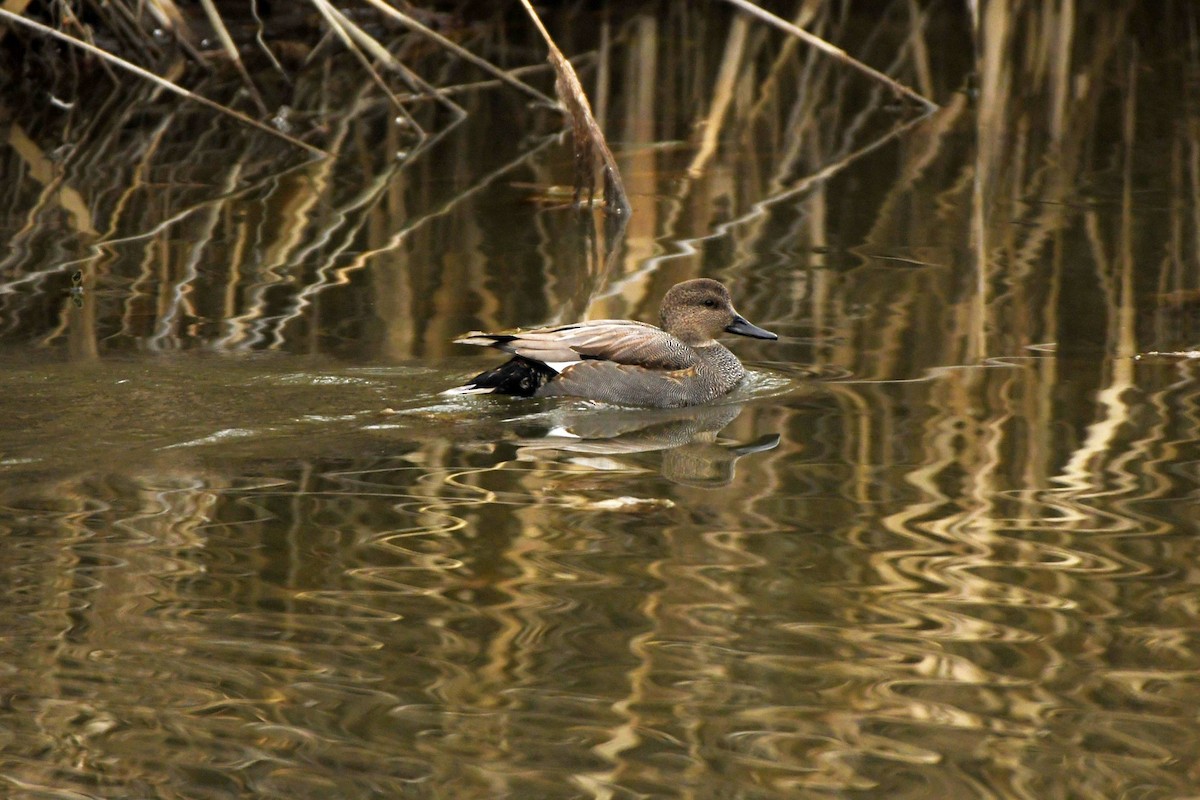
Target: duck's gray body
[[626, 362]]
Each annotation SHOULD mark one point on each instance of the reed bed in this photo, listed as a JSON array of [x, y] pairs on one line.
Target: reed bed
[[402, 100]]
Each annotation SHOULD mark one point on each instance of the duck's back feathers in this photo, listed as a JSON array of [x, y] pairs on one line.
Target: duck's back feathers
[[618, 341]]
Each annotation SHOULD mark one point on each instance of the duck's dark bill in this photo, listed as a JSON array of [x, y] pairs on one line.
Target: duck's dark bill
[[743, 327]]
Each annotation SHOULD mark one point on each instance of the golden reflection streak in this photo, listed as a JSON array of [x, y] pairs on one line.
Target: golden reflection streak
[[639, 166], [175, 289], [347, 220], [1078, 472], [42, 170], [722, 96], [296, 197]]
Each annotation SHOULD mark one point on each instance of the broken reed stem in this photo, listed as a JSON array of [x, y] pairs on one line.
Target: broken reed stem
[[836, 52], [586, 134], [155, 79]]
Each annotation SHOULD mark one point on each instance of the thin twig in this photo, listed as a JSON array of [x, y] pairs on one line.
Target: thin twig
[[262, 44], [165, 84], [355, 40], [474, 86], [459, 51], [836, 52], [214, 19]]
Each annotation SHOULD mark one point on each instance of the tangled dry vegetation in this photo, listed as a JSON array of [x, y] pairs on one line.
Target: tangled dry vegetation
[[173, 45], [164, 43], [215, 171]]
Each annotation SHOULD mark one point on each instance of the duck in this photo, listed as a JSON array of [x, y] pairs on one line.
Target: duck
[[625, 362]]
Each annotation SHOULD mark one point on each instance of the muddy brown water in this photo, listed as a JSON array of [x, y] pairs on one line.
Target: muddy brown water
[[941, 544]]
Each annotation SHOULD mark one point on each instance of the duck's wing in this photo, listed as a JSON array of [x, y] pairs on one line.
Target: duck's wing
[[608, 340]]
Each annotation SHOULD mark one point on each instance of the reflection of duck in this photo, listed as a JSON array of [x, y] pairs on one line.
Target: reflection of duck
[[693, 455], [625, 362]]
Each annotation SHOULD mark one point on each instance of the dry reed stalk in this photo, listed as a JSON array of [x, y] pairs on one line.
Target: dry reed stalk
[[836, 52], [218, 24], [586, 134], [355, 38], [262, 44], [463, 88], [459, 51], [109, 58]]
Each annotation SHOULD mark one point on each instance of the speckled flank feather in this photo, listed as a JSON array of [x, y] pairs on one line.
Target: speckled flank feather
[[715, 373]]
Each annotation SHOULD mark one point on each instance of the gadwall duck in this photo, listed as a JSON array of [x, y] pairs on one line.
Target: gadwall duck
[[625, 362]]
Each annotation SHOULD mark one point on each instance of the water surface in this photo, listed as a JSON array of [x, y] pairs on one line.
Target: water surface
[[940, 545]]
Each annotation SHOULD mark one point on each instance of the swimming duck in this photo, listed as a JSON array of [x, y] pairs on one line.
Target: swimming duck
[[622, 361]]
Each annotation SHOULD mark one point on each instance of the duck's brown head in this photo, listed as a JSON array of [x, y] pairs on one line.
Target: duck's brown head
[[697, 311]]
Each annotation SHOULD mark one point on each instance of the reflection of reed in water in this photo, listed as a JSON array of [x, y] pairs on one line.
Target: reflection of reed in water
[[999, 601], [963, 578], [350, 253], [956, 248], [903, 592]]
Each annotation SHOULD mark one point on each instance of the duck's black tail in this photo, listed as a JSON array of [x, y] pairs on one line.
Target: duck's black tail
[[518, 376]]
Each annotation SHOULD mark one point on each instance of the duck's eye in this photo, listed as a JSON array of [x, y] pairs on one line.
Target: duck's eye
[[710, 303]]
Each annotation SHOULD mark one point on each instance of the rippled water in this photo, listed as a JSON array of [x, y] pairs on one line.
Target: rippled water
[[941, 543]]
